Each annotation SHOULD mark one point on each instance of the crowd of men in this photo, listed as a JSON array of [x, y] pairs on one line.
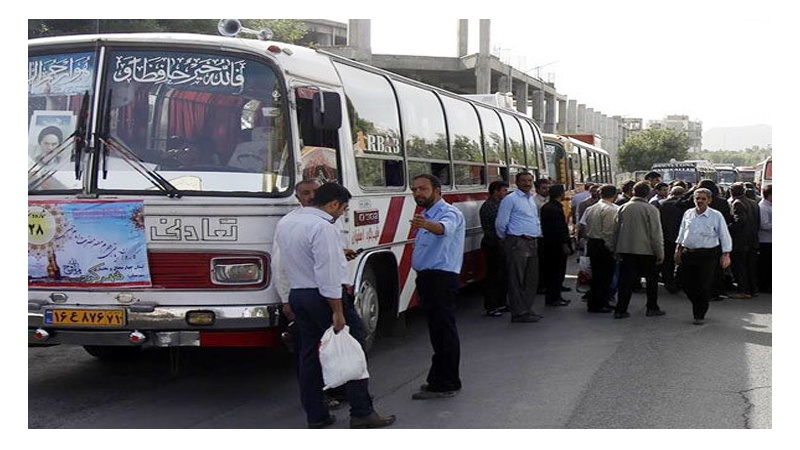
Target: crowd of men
[[689, 237], [709, 243]]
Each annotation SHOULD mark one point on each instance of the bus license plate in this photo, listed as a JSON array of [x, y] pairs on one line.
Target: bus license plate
[[85, 317]]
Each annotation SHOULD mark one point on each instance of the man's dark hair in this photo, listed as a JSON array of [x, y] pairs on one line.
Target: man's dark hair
[[660, 185], [680, 183], [608, 191], [495, 186], [329, 192], [737, 189], [767, 191], [556, 191], [710, 185], [628, 186], [651, 175], [432, 178], [519, 174], [538, 183], [51, 130], [588, 185], [300, 183], [641, 189]]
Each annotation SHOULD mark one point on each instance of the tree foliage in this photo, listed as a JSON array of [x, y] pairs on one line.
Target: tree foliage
[[647, 147], [285, 30], [748, 157]]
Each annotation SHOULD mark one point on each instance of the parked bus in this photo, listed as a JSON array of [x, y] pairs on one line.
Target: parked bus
[[571, 161], [690, 171], [727, 175], [763, 173], [746, 174], [151, 221]]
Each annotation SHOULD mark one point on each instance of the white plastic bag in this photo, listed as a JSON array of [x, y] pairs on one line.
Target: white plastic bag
[[341, 357]]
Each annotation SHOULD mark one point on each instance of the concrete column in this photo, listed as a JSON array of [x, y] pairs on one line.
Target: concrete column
[[483, 72], [538, 108], [572, 116], [580, 126], [521, 96], [550, 113], [358, 38], [589, 128], [463, 37], [561, 125]]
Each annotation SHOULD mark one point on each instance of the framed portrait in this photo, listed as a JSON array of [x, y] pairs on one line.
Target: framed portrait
[[47, 128]]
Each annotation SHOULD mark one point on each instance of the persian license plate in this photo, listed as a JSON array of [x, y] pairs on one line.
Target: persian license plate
[[85, 317]]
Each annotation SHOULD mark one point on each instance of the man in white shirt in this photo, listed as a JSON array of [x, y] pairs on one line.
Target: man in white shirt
[[314, 265], [703, 242]]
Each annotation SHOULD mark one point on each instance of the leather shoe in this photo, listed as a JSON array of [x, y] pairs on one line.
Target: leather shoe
[[427, 395], [527, 318], [621, 315], [698, 322], [559, 302], [602, 309], [323, 423], [372, 421], [655, 312]]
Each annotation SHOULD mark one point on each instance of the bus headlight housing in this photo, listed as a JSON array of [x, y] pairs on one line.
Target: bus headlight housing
[[237, 271]]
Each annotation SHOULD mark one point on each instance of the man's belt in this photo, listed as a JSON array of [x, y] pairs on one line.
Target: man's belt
[[525, 236]]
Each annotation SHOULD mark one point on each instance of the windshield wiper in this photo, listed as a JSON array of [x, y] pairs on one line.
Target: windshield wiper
[[134, 161], [45, 164]]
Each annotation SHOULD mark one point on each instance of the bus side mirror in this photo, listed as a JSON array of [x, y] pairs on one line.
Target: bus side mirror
[[327, 110]]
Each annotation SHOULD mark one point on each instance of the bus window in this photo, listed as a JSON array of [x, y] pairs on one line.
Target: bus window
[[195, 118], [465, 142], [516, 151], [424, 132], [57, 85], [319, 149], [531, 146], [375, 127], [494, 143]]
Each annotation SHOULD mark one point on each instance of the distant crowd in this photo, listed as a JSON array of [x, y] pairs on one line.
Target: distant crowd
[[709, 242]]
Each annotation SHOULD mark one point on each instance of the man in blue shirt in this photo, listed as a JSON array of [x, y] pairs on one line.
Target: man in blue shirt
[[703, 242], [518, 225], [314, 265], [438, 254]]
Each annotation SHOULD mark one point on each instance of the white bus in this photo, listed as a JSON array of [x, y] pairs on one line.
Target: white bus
[[151, 223]]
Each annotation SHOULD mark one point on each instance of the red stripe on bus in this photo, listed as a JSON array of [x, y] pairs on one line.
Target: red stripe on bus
[[404, 268], [465, 197], [392, 219]]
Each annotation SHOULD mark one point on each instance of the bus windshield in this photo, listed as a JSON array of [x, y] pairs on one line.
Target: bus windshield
[[669, 175], [201, 122], [727, 176]]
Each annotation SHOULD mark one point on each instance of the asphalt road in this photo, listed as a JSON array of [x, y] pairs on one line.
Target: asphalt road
[[571, 370]]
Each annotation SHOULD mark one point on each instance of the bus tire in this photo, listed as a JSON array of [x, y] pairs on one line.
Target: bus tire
[[112, 352], [368, 307]]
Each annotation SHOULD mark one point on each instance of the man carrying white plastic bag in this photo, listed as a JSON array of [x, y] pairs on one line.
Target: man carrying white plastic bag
[[342, 358], [314, 264]]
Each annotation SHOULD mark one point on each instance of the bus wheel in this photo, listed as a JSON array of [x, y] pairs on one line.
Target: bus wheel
[[368, 305], [112, 352]]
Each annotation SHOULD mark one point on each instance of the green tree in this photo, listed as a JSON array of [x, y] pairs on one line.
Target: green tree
[[647, 147]]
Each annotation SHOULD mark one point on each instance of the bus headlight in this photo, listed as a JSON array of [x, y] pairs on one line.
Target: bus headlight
[[237, 271]]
